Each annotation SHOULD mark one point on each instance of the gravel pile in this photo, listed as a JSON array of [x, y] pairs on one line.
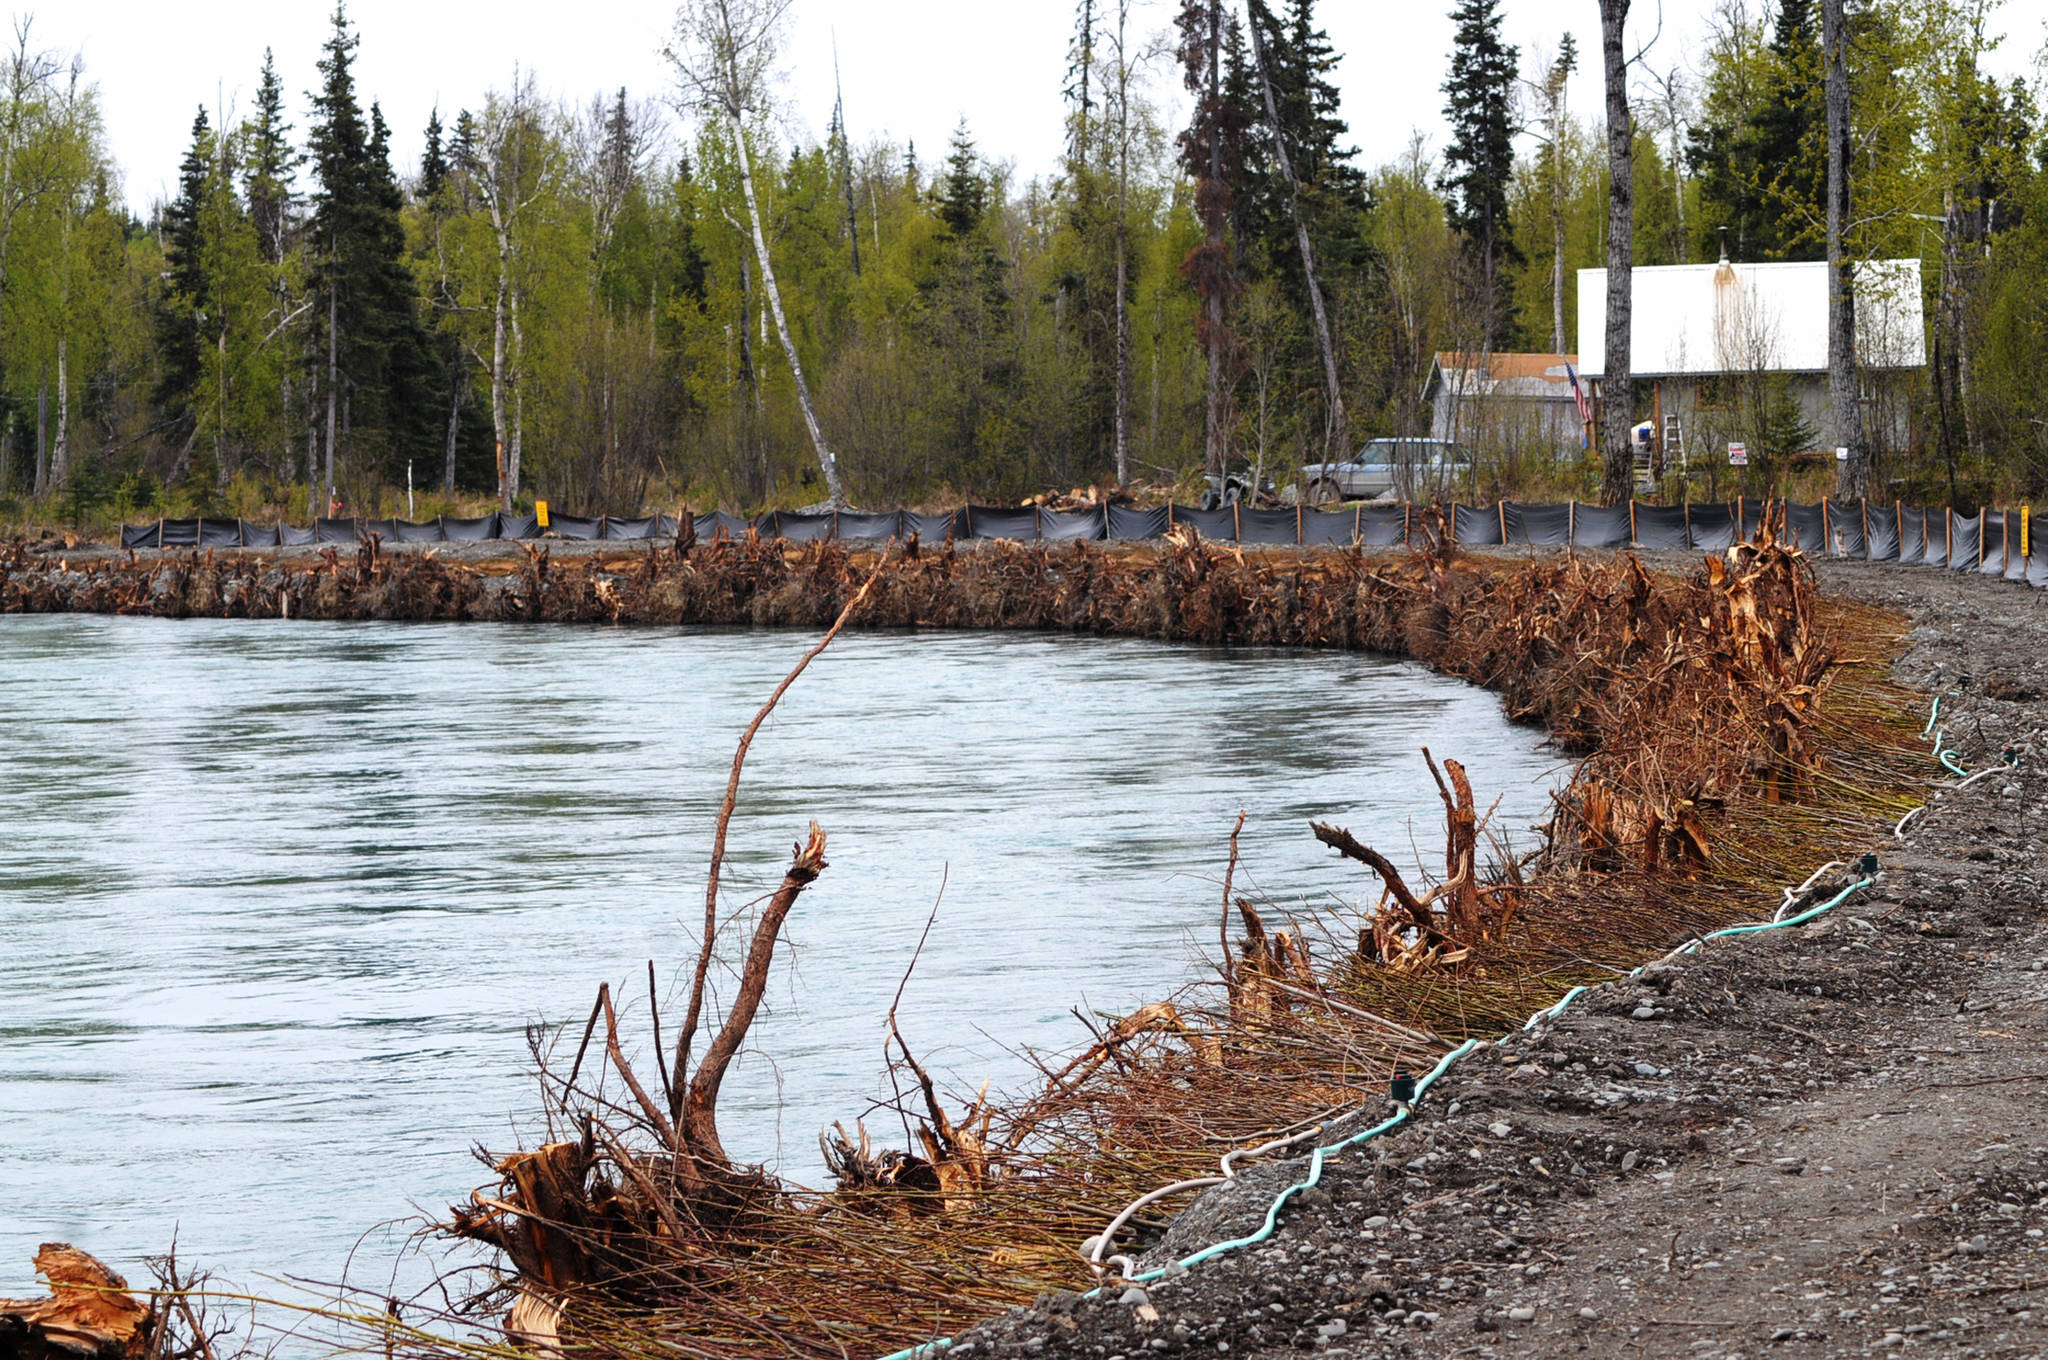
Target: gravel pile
[[1828, 1141]]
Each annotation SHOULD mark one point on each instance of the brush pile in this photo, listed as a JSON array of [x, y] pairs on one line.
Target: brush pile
[[1725, 733]]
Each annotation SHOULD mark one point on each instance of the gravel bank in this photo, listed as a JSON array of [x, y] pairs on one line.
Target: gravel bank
[[1829, 1141]]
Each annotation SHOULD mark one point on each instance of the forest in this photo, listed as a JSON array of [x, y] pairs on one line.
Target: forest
[[657, 297]]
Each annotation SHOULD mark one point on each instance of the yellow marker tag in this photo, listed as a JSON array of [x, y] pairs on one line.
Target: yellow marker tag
[[2026, 529], [540, 513]]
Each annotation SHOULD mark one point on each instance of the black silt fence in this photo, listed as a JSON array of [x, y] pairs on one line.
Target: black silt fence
[[1988, 542]]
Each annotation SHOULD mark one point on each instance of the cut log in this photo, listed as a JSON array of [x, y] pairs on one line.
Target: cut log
[[90, 1315]]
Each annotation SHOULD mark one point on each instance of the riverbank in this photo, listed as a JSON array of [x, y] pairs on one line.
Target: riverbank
[[1820, 1142], [1734, 725]]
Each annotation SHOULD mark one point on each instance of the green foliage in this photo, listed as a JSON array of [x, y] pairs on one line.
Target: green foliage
[[577, 284]]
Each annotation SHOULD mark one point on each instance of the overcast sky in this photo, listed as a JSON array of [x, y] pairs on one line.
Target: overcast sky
[[911, 68]]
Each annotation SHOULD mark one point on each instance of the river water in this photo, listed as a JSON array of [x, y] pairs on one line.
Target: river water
[[277, 901]]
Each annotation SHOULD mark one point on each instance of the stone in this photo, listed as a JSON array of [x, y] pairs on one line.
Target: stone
[[1644, 1069], [1524, 1313], [1629, 1159], [1645, 1012], [1333, 1329], [1500, 1130], [1134, 1297], [1590, 1314]]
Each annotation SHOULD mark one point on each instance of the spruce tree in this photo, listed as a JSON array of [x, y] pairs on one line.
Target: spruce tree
[[1480, 160], [372, 365], [1335, 196], [184, 292], [433, 161], [963, 193], [1763, 177], [269, 166]]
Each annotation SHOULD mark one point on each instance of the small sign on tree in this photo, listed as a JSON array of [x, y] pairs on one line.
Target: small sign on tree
[[1738, 455]]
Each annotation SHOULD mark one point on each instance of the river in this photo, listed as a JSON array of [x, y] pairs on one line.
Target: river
[[278, 901]]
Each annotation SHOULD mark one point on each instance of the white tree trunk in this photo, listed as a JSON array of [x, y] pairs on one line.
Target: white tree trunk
[[1852, 475], [1555, 91], [827, 463], [60, 451], [514, 453], [499, 428]]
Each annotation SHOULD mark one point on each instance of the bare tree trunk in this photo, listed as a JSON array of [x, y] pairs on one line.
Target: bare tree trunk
[[454, 428], [333, 387], [1333, 389], [43, 436], [220, 409], [60, 450], [1684, 250], [1123, 357], [1152, 411], [1555, 90], [517, 449], [754, 444], [1123, 246], [284, 416], [827, 463], [1948, 331], [499, 423], [312, 457], [1212, 222], [1617, 392], [1852, 475], [1557, 339]]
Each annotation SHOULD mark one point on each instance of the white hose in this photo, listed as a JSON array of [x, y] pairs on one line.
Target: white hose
[[1792, 895], [1095, 1259]]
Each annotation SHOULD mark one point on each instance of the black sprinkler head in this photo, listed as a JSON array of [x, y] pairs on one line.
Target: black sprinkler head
[[1402, 1089], [1867, 865], [2011, 756]]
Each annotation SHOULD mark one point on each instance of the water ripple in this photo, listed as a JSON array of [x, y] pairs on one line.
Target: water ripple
[[277, 903]]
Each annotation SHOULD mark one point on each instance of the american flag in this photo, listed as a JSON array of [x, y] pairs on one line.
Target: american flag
[[1579, 396]]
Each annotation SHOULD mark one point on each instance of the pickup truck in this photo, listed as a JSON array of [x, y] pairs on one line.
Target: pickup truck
[[1406, 469]]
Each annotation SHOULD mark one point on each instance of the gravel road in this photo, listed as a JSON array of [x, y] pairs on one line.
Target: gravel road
[[1826, 1141]]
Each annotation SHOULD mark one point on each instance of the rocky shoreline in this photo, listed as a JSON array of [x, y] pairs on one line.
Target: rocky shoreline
[[1825, 1141]]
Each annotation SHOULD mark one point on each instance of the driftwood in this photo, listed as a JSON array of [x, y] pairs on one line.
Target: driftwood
[[90, 1315]]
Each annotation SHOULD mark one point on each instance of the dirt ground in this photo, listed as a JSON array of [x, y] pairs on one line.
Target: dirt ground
[[1826, 1141]]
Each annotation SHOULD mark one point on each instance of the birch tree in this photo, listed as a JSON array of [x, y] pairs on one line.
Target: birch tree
[[1852, 475], [725, 53], [27, 167], [1128, 61], [1617, 390], [512, 162]]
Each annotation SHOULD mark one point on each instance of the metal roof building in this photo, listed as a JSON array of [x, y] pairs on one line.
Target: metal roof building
[[1697, 320]]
